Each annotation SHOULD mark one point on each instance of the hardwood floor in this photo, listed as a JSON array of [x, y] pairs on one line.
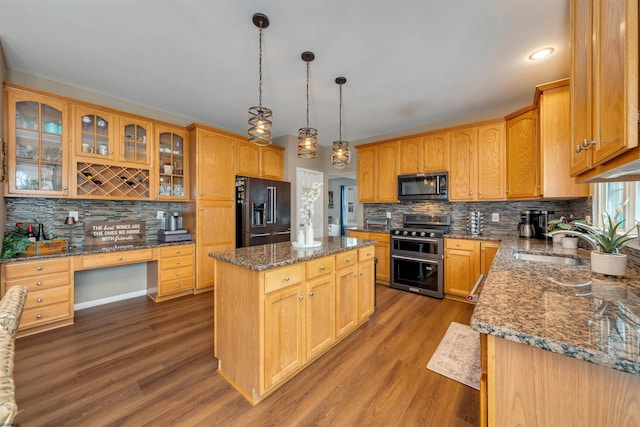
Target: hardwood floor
[[135, 363]]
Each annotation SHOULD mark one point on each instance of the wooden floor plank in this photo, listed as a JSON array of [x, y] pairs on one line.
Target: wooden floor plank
[[135, 363]]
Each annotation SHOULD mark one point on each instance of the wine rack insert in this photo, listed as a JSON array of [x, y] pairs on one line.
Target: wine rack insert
[[98, 180]]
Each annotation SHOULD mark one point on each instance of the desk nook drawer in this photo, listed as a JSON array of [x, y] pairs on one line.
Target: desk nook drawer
[[178, 261], [346, 259], [37, 283], [19, 270], [178, 250], [47, 297], [283, 277], [366, 253], [177, 285], [320, 266], [46, 314], [176, 273], [116, 258]]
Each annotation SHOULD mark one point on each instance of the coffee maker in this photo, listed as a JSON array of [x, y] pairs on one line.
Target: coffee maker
[[533, 224], [173, 231]]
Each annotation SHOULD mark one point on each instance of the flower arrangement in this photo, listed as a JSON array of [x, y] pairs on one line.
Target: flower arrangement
[[309, 197]]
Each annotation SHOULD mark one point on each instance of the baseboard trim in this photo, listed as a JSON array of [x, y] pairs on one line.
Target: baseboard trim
[[102, 301]]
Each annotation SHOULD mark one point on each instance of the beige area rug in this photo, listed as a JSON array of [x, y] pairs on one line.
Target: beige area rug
[[458, 355]]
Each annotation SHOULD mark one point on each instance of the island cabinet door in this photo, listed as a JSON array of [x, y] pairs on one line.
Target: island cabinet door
[[366, 283], [346, 300], [321, 314], [284, 333]]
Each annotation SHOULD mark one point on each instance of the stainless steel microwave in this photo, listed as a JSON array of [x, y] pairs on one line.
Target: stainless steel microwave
[[423, 186]]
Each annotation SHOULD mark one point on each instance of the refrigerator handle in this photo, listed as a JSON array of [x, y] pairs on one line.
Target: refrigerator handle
[[274, 204], [271, 193]]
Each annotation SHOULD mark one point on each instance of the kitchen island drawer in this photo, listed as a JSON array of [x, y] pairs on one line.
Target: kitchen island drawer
[[320, 266], [465, 244], [48, 296], [283, 277], [45, 314], [366, 253], [15, 270], [346, 259]]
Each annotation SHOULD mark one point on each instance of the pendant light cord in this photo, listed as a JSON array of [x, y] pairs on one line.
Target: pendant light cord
[[340, 126], [260, 73], [307, 94]]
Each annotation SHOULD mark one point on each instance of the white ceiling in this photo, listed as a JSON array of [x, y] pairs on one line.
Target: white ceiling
[[409, 64]]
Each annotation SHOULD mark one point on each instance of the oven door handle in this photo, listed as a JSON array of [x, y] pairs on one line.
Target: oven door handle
[[431, 260], [413, 239]]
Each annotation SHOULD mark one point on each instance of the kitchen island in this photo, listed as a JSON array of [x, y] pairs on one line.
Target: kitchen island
[[561, 345], [278, 308]]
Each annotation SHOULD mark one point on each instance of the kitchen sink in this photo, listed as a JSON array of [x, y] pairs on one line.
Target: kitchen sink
[[553, 259]]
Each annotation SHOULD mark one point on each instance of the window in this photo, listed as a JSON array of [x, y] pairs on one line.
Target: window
[[620, 200]]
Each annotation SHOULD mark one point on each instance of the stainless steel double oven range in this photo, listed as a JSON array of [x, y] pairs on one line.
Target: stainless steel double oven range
[[417, 254]]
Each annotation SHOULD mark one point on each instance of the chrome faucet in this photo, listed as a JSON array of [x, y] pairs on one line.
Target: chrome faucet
[[589, 239]]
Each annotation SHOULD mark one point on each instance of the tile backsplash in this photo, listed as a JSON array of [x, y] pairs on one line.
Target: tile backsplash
[[53, 212]]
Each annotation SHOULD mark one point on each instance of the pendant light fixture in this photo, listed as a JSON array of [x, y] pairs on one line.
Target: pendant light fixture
[[340, 150], [260, 118], [307, 137]]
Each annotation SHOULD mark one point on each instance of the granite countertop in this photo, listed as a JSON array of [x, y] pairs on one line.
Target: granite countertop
[[265, 257], [88, 250], [564, 309]]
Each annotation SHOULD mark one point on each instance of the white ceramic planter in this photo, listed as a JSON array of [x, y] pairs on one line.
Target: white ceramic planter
[[569, 242], [609, 264], [557, 238]]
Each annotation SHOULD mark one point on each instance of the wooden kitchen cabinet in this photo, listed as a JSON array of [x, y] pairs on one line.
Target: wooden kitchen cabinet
[[378, 167], [523, 155], [346, 294], [172, 179], [133, 140], [461, 265], [49, 301], [383, 252], [261, 162], [488, 250], [477, 165], [37, 135], [604, 89], [554, 132], [320, 294], [172, 275], [211, 214], [366, 291], [424, 154]]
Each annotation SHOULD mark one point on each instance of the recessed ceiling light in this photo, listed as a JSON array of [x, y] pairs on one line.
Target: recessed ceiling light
[[541, 53]]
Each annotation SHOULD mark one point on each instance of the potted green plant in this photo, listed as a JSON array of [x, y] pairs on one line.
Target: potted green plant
[[559, 225], [608, 259], [14, 242]]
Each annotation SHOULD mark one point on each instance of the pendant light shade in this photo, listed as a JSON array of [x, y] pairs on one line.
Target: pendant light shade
[[260, 118], [307, 137], [340, 149]]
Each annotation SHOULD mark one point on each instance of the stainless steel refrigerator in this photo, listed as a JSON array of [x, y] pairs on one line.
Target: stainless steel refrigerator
[[263, 211]]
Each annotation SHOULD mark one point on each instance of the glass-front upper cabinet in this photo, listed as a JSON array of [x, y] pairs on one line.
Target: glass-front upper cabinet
[[134, 140], [172, 163], [36, 144], [94, 134]]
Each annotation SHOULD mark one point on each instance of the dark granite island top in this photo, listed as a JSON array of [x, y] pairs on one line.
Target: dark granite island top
[[563, 309], [265, 257]]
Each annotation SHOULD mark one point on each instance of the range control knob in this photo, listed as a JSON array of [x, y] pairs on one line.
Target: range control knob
[[413, 233], [396, 232], [432, 234], [422, 234], [405, 233]]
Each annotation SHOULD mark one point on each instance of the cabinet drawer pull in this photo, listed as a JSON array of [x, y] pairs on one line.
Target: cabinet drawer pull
[[38, 316], [39, 268], [348, 259], [38, 283], [311, 293], [177, 262], [286, 278], [355, 275], [368, 253], [301, 297], [322, 267], [178, 285], [178, 251], [119, 258], [362, 273], [39, 300], [177, 274]]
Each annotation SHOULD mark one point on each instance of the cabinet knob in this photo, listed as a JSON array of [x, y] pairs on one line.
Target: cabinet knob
[[120, 258], [311, 293], [301, 297], [458, 244], [177, 262], [362, 273], [177, 285], [39, 300], [39, 268], [471, 193], [484, 249], [39, 316], [322, 267], [368, 253], [177, 274], [480, 193], [178, 251], [286, 278], [38, 283], [64, 188], [348, 259]]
